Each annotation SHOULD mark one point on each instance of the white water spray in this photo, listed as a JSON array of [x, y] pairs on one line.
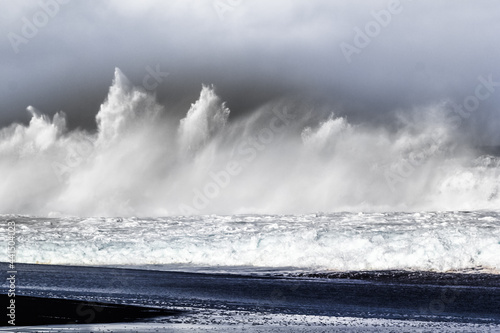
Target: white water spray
[[143, 162]]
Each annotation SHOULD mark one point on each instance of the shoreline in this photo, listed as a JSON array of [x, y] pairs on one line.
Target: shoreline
[[187, 300], [469, 277], [166, 288]]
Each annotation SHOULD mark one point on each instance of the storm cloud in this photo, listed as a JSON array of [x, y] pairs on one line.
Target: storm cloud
[[367, 60]]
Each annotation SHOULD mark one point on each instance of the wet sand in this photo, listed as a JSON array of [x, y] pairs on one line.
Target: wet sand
[[52, 311], [145, 300]]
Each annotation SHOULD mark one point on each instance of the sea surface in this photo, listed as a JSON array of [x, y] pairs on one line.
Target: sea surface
[[346, 272]]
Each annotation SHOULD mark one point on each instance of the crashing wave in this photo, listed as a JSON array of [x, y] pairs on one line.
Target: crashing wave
[[285, 157]]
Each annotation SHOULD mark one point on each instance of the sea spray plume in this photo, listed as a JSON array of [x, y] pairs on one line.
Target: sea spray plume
[[143, 162], [345, 163], [475, 185], [133, 152], [327, 133], [25, 155], [43, 132], [204, 119], [422, 143], [201, 149], [125, 106], [136, 167]]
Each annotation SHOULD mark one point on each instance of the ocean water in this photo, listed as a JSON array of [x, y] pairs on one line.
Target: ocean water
[[289, 197], [425, 241]]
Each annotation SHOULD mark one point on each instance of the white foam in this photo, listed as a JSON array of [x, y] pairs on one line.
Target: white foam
[[342, 242]]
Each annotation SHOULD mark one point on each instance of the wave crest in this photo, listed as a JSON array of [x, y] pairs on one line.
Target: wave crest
[[285, 157]]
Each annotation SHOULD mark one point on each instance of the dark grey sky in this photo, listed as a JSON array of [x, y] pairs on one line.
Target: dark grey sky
[[253, 51]]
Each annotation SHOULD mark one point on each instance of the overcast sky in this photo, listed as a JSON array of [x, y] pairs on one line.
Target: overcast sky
[[253, 51]]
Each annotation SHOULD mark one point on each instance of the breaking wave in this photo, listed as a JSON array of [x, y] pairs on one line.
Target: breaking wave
[[426, 241], [285, 157]]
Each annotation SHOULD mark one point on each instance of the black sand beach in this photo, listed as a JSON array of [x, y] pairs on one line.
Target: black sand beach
[[175, 299], [54, 311]]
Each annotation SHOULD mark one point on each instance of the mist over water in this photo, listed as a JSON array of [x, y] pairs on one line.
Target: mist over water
[[284, 157]]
